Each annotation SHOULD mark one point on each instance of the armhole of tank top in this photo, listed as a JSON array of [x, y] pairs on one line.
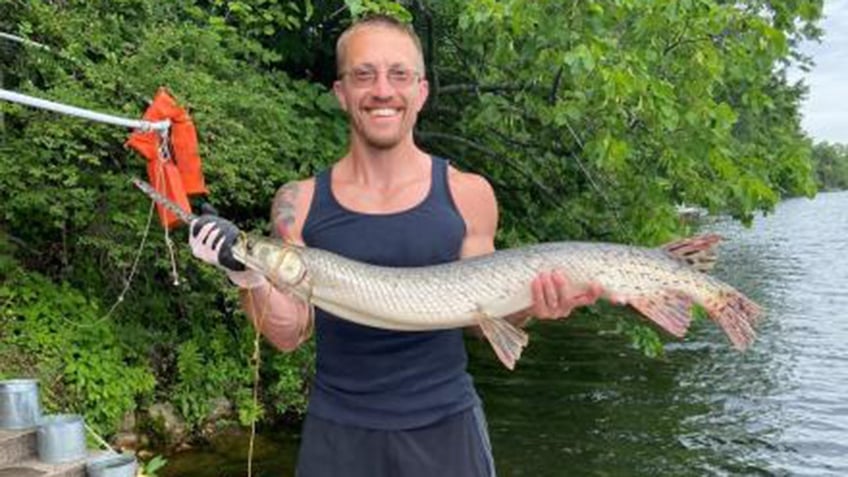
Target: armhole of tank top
[[449, 193], [313, 205]]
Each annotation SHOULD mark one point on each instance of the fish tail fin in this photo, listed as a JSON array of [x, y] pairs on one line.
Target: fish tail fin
[[669, 309], [506, 339], [736, 314], [699, 251]]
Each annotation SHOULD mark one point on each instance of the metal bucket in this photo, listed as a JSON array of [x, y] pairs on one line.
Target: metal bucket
[[113, 465], [61, 438], [19, 407]]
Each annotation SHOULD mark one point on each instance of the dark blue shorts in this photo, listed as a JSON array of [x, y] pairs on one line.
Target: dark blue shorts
[[457, 446]]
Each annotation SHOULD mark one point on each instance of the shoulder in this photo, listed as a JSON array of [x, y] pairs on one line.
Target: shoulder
[[473, 194], [475, 200], [290, 207]]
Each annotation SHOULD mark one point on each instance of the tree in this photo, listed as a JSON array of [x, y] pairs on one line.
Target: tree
[[831, 165]]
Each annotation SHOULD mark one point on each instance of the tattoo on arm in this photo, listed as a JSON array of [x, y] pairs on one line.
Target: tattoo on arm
[[282, 210]]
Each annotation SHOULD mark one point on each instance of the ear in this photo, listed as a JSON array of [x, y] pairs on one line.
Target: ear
[[338, 89], [423, 93]]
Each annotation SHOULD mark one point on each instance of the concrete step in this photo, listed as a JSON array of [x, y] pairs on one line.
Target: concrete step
[[19, 458], [33, 468], [16, 446]]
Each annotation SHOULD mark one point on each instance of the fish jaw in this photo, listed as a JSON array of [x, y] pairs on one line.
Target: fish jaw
[[280, 263]]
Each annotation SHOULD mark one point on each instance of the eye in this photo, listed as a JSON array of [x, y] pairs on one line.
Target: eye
[[364, 75], [400, 76]]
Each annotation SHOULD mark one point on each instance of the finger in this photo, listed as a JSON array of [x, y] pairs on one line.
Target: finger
[[566, 300], [218, 240], [588, 295], [560, 282], [198, 224], [209, 235], [551, 292], [536, 289], [202, 231]]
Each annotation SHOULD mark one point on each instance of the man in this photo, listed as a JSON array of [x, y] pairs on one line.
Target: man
[[383, 403]]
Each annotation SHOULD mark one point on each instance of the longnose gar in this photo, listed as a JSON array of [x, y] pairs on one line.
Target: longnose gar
[[660, 283]]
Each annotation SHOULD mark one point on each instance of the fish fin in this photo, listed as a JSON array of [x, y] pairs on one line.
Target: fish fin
[[669, 309], [699, 251], [736, 314], [506, 339]]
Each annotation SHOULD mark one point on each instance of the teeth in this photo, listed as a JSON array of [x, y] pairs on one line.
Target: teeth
[[384, 112]]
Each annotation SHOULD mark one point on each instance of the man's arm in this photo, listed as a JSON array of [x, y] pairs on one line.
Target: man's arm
[[283, 319], [553, 295]]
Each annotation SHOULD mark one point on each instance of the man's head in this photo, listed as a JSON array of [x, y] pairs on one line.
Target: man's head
[[381, 83]]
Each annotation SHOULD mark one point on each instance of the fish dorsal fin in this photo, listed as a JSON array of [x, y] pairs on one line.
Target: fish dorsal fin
[[699, 251]]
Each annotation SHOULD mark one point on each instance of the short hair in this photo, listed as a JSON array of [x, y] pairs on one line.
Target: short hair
[[381, 21]]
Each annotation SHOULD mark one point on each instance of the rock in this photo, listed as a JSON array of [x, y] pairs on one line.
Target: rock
[[127, 441], [172, 425], [222, 408], [128, 422], [219, 417]]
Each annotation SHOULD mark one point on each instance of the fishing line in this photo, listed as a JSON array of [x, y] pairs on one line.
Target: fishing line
[[257, 336], [137, 259]]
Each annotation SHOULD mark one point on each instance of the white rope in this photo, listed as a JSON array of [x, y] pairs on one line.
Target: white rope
[[23, 41], [83, 113]]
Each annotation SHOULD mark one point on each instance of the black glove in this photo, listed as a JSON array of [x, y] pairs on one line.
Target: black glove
[[211, 240]]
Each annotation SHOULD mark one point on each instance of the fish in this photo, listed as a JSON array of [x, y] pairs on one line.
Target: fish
[[662, 284]]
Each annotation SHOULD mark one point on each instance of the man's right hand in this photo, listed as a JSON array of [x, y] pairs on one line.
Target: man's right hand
[[211, 240]]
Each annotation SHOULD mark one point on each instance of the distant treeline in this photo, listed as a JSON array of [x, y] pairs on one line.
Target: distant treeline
[[830, 162]]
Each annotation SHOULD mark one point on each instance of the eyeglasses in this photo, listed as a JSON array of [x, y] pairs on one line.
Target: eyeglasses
[[366, 77]]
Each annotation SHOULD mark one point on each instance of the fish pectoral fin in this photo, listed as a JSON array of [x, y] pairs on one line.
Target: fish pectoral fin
[[506, 339], [670, 309]]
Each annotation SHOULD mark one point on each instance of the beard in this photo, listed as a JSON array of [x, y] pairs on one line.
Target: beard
[[376, 138]]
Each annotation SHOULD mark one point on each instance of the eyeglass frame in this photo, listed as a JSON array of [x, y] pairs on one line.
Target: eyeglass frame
[[374, 73]]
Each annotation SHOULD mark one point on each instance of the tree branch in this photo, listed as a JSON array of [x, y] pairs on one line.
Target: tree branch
[[477, 89], [547, 192], [555, 87]]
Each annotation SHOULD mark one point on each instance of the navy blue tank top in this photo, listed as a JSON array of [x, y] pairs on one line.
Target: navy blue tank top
[[381, 379]]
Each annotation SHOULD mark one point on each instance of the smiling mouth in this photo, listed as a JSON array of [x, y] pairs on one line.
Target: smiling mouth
[[383, 112]]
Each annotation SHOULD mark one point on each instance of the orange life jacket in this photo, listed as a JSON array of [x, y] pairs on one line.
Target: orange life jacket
[[178, 174]]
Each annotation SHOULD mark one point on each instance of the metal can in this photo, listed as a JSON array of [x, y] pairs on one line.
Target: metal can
[[19, 405]]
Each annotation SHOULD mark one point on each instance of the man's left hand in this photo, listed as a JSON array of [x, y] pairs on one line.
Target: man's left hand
[[555, 296]]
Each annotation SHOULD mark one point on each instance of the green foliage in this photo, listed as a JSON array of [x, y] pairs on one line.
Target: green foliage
[[603, 115], [68, 203], [361, 8], [831, 165], [207, 371], [154, 465], [54, 332]]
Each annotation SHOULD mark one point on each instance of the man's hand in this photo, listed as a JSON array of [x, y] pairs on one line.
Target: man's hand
[[554, 296], [211, 240]]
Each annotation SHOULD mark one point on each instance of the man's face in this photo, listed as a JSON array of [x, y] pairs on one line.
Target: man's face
[[380, 85]]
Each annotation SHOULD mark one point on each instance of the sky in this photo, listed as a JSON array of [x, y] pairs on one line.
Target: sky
[[825, 111]]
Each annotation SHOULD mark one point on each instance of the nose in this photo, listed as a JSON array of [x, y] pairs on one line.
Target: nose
[[382, 88]]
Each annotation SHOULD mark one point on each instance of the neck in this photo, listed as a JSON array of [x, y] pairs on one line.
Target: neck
[[377, 167]]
